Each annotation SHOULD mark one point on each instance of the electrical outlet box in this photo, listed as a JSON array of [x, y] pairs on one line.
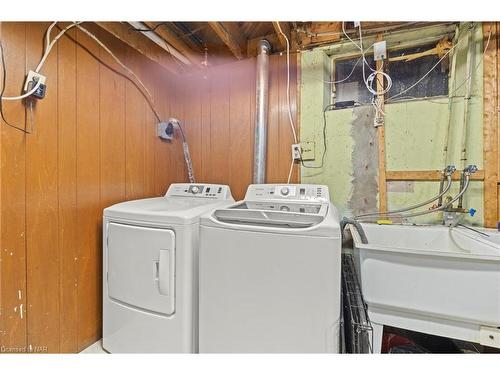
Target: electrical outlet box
[[165, 130], [308, 150], [356, 23], [32, 79], [380, 50], [296, 151]]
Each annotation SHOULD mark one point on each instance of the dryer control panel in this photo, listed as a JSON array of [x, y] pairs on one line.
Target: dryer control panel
[[280, 192], [197, 190]]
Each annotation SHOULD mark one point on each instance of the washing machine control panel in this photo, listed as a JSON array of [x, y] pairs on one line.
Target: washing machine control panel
[[302, 192], [199, 191]]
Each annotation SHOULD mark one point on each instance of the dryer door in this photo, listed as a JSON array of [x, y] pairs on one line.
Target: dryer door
[[141, 267]]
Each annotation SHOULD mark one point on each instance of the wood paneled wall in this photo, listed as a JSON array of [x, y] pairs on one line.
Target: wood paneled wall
[[94, 144], [219, 109]]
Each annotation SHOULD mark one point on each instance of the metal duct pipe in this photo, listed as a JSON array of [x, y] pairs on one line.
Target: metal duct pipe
[[261, 95]]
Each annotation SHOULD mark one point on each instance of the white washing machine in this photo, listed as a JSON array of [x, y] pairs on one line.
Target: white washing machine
[[150, 269], [270, 277]]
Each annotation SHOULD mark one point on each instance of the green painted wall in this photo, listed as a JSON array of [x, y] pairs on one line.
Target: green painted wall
[[415, 133]]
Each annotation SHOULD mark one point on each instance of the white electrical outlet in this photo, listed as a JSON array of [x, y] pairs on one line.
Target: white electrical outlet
[[33, 76], [356, 23], [380, 50], [296, 151]]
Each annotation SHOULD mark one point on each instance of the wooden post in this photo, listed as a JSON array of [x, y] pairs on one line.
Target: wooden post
[[490, 126], [382, 182]]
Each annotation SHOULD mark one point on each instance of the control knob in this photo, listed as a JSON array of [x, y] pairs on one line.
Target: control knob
[[195, 189], [285, 190]]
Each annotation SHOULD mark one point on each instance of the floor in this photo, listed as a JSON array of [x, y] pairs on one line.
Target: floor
[[95, 348]]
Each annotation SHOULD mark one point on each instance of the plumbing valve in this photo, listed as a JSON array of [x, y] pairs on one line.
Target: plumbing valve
[[449, 170], [470, 169]]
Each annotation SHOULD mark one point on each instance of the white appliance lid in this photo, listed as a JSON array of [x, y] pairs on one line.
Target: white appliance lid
[[181, 205]]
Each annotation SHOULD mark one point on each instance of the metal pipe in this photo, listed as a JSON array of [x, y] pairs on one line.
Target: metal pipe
[[261, 99], [447, 172], [470, 73]]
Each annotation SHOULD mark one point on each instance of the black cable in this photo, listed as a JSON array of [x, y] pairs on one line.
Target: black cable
[[4, 78], [149, 28], [324, 142]]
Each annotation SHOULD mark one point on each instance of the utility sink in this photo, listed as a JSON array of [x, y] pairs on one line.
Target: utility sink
[[438, 276]]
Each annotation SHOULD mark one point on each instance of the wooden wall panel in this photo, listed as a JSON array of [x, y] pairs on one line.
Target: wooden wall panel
[[88, 191], [42, 205], [13, 195], [134, 133], [67, 180], [225, 110]]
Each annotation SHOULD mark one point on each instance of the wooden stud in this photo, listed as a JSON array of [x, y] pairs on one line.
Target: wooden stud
[[427, 175], [229, 40], [141, 44], [490, 126], [382, 183]]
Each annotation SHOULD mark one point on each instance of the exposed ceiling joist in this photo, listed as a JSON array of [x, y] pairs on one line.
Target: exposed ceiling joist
[[176, 42], [151, 35], [141, 44], [285, 28], [231, 39]]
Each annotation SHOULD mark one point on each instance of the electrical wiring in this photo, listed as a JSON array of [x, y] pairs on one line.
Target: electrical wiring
[[425, 75], [48, 47], [324, 143], [346, 78], [51, 43], [456, 88], [477, 65], [129, 71], [292, 125], [4, 78], [148, 28], [374, 76], [288, 82]]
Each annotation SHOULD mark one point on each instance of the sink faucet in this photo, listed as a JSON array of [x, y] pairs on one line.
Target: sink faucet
[[452, 215]]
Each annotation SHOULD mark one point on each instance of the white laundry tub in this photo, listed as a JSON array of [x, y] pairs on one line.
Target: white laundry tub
[[430, 276]]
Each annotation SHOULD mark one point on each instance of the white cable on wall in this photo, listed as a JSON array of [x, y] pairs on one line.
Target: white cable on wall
[[48, 47], [292, 125]]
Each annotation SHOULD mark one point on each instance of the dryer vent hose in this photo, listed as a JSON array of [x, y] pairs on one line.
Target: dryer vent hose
[[189, 163]]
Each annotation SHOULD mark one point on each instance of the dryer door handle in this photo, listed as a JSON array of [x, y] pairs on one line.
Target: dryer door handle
[[164, 272]]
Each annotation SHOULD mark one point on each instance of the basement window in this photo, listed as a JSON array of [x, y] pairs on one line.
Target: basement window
[[403, 73]]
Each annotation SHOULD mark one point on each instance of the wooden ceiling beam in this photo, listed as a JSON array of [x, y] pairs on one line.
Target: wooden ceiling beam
[[172, 39], [231, 40], [141, 44], [285, 27]]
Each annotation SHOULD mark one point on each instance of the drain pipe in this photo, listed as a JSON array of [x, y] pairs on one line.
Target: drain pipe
[[468, 92], [261, 95]]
